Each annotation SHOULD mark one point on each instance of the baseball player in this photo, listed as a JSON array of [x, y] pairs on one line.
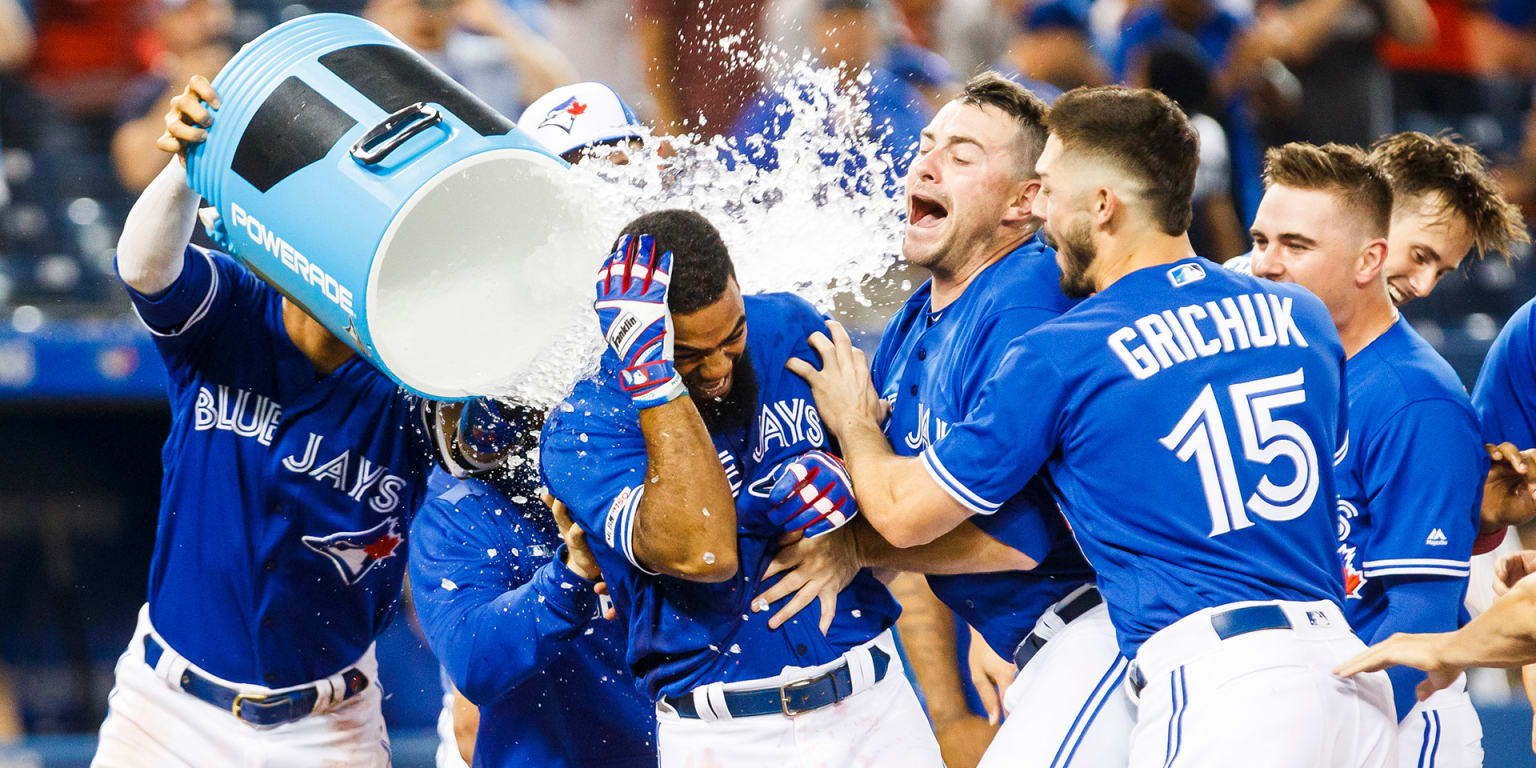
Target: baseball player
[[1184, 416], [1445, 204], [688, 456], [1410, 475], [969, 192], [583, 120], [1506, 409], [513, 615], [290, 472]]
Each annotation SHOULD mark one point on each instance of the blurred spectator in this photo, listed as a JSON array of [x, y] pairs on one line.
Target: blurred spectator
[[1054, 46], [480, 43], [924, 70], [1331, 45], [599, 38], [700, 57], [896, 110], [83, 59], [1435, 85], [1180, 72], [1232, 49], [188, 37], [17, 40], [974, 34]]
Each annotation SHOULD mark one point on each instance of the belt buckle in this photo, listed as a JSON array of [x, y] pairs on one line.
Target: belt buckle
[[234, 707], [784, 696]]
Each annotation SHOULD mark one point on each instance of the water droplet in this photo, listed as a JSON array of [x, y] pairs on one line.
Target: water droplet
[[490, 552], [448, 585], [857, 613], [709, 558], [706, 511]]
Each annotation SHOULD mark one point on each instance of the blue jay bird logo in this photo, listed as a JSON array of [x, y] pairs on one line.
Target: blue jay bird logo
[[356, 553], [564, 115]]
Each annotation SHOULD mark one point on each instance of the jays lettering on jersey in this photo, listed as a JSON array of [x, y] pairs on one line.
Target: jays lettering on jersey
[[931, 367], [286, 496], [1411, 477], [1504, 397], [684, 634], [520, 634], [1186, 417]]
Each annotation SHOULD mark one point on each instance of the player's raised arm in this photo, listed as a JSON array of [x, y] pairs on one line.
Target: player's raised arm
[[684, 520], [155, 236]]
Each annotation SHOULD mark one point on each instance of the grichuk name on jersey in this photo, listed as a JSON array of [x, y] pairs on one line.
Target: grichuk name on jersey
[[354, 480], [787, 422], [1164, 339]]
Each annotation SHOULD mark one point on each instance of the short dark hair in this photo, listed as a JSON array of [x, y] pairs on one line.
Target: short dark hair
[[1341, 169], [701, 264], [1419, 164], [993, 90], [1143, 133]]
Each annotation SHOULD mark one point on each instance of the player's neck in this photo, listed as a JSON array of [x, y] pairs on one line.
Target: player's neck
[[950, 283], [1372, 316], [1148, 248], [325, 351]]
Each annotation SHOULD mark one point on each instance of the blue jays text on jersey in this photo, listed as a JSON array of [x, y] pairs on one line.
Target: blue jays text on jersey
[[932, 367], [520, 634], [1503, 396], [286, 497], [1203, 482], [684, 634]]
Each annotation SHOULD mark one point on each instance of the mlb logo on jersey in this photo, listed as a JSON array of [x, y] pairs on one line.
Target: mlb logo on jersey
[[564, 115], [1184, 274], [356, 553]]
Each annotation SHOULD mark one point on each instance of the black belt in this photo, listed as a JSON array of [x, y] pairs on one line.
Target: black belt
[[1230, 624], [256, 709], [791, 698], [1077, 606]]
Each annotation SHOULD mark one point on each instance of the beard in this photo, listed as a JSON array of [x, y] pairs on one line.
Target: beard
[[736, 409], [1076, 249]]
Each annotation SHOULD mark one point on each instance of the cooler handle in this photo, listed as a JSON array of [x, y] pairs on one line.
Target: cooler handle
[[387, 136]]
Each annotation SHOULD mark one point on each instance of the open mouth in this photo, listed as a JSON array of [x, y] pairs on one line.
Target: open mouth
[[925, 212], [1398, 296], [713, 390]]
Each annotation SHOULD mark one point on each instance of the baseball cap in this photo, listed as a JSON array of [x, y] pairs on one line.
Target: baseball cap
[[574, 116]]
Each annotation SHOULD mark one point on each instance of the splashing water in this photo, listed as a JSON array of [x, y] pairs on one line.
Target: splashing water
[[806, 227]]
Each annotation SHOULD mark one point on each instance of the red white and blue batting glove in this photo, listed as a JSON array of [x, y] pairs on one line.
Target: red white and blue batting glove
[[813, 495], [632, 311]]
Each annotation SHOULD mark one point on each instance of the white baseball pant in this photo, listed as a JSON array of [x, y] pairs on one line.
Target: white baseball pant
[[1442, 731], [152, 722]]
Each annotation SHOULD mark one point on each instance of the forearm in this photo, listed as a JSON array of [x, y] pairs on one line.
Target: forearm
[[686, 520], [1303, 28], [966, 549], [492, 646], [928, 636], [896, 495], [1416, 605], [1502, 636], [155, 236]]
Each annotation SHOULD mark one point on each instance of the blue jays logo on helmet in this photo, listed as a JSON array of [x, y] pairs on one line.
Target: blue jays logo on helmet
[[356, 553], [564, 115]]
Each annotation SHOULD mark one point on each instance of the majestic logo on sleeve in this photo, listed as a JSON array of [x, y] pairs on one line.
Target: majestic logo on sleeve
[[356, 553], [564, 115]]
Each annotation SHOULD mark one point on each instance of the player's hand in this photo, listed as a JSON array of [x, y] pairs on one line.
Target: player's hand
[[1509, 494], [1511, 568], [632, 312], [963, 740], [991, 674], [1420, 651], [1528, 678], [814, 569], [578, 555], [842, 387], [188, 120], [812, 495]]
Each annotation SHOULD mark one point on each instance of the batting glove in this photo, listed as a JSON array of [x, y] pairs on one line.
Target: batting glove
[[632, 311], [813, 495]]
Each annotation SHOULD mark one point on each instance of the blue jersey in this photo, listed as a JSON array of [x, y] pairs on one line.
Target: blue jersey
[[1504, 397], [932, 367], [684, 634], [1411, 478], [1186, 417], [286, 496], [520, 634]]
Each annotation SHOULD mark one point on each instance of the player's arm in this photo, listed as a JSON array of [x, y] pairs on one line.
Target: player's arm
[[682, 520], [915, 500], [1507, 414], [927, 631], [492, 625]]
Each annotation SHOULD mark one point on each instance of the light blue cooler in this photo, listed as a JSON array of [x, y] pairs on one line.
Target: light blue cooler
[[396, 208]]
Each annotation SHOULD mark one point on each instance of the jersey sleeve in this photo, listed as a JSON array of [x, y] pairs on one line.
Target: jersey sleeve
[[1006, 437], [597, 468], [211, 289], [1503, 396], [1424, 472], [492, 625]]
